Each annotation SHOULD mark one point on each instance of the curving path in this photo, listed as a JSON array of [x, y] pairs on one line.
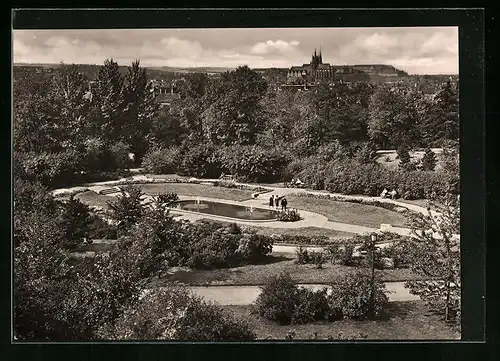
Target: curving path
[[310, 219], [246, 295]]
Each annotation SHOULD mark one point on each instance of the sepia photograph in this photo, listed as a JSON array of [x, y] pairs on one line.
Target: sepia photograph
[[236, 184]]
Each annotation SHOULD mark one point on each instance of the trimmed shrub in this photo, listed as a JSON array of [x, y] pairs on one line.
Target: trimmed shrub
[[159, 160], [352, 296], [175, 314], [428, 161], [301, 240]]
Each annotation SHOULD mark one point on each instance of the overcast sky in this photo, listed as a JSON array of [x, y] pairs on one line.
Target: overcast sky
[[431, 50]]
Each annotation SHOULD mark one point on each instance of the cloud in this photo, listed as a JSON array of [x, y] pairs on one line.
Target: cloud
[[182, 48], [416, 50], [271, 46]]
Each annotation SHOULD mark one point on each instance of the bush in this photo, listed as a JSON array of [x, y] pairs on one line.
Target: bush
[[100, 229], [291, 215], [252, 163], [119, 155], [428, 160], [127, 208], [302, 255], [75, 220], [312, 306], [52, 169], [253, 248], [175, 314], [398, 252], [216, 250], [159, 160], [318, 259], [342, 252], [166, 198], [352, 296], [301, 240], [200, 161], [278, 299]]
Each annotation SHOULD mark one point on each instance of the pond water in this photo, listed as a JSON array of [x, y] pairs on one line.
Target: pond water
[[227, 210]]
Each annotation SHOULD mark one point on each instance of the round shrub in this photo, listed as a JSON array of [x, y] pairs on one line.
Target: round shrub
[[278, 299]]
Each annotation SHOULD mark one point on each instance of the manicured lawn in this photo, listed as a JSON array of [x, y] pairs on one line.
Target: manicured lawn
[[94, 199], [400, 321], [345, 212], [196, 190], [277, 263], [306, 231]]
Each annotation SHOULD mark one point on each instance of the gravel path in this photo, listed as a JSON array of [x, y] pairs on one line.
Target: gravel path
[[246, 295], [310, 219]]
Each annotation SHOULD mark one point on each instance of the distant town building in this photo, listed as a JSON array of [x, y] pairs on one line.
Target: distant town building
[[164, 93]]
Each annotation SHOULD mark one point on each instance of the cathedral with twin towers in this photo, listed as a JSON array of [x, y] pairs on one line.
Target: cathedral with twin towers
[[315, 70]]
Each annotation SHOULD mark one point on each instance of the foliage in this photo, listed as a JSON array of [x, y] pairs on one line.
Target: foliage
[[434, 252], [342, 251], [200, 161], [175, 314], [166, 198], [352, 296], [253, 248], [127, 209], [56, 298], [159, 160], [252, 163], [75, 219], [312, 306], [291, 215], [302, 255], [278, 299], [301, 239]]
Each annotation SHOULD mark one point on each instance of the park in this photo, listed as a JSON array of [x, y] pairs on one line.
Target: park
[[135, 220]]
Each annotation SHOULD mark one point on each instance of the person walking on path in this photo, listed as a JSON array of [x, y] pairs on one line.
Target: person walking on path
[[276, 201], [271, 201], [284, 202]]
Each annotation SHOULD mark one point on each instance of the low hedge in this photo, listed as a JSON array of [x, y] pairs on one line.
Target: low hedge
[[348, 176]]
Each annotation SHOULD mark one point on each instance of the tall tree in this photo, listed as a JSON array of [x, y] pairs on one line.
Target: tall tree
[[235, 115], [107, 101], [394, 115], [69, 89], [139, 108], [442, 122], [435, 254]]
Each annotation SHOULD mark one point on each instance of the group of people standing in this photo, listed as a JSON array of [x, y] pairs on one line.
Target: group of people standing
[[386, 194], [275, 201]]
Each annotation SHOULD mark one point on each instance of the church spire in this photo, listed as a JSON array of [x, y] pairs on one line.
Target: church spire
[[320, 56]]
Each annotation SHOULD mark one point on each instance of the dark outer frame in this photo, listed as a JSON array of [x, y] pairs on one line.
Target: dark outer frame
[[472, 132]]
